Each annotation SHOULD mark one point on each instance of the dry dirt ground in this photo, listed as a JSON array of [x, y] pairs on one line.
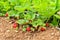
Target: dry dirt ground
[[7, 33]]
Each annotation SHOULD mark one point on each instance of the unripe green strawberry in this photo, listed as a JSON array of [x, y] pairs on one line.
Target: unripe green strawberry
[[32, 29], [23, 29]]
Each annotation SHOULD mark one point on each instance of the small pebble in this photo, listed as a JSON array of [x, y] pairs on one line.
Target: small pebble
[[52, 33], [8, 31], [16, 31], [59, 39], [9, 22]]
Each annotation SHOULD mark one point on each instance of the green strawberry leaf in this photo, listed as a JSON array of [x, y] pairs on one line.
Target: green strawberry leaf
[[22, 21], [57, 16]]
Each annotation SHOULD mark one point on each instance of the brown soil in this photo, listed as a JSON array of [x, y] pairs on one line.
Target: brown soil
[[7, 33]]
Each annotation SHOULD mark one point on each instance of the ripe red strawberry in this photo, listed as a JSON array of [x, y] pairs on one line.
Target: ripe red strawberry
[[42, 29], [6, 14], [15, 25], [28, 29], [47, 24]]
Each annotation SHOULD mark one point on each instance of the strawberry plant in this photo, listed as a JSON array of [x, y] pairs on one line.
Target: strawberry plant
[[34, 12]]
